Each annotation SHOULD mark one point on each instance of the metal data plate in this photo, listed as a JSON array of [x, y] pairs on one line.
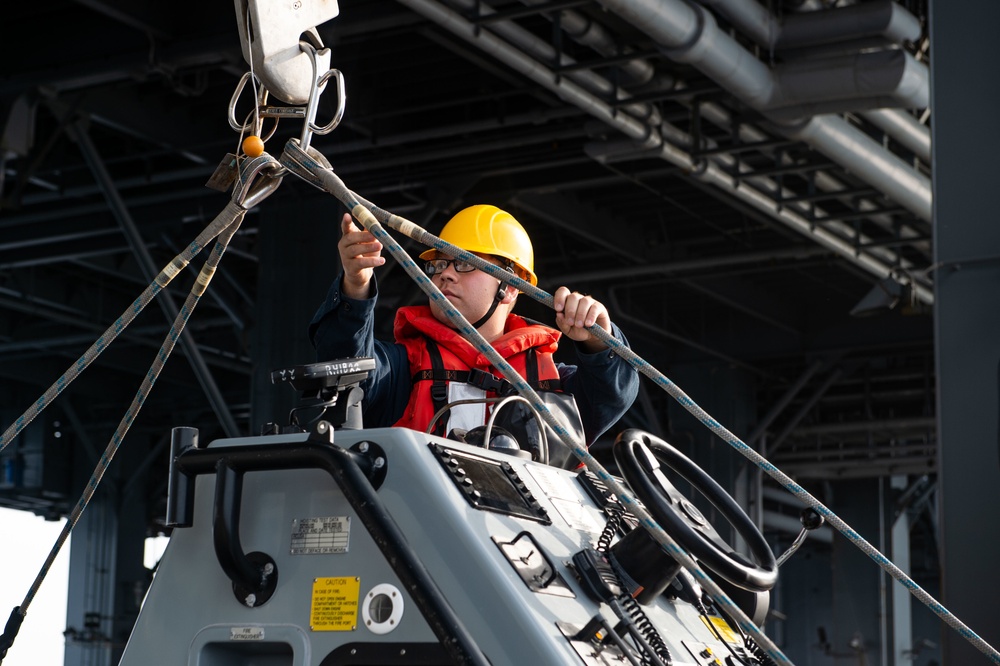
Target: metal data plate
[[320, 536]]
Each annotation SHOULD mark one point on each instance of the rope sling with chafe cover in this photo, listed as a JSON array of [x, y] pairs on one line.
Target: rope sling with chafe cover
[[256, 180], [287, 56]]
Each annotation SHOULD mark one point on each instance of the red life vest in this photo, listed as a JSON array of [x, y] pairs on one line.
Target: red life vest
[[415, 325]]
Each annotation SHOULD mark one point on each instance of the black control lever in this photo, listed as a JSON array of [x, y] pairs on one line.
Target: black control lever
[[810, 520]]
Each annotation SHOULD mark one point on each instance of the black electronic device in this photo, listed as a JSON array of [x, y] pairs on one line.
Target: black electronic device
[[330, 390], [596, 575], [338, 374]]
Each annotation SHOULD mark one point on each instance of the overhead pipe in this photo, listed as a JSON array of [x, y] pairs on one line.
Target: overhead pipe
[[730, 163], [649, 137], [848, 82], [691, 35], [568, 90], [825, 182], [883, 18], [609, 151], [904, 128], [751, 18], [897, 123], [856, 151]]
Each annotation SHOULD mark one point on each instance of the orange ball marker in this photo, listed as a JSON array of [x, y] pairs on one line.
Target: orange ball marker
[[253, 146]]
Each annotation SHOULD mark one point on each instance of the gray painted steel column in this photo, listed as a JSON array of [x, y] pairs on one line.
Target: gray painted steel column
[[902, 600], [965, 95], [107, 576], [854, 633]]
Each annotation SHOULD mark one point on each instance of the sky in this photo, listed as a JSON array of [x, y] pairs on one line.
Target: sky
[[25, 542]]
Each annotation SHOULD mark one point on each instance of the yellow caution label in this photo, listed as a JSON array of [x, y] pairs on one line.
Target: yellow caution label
[[723, 628], [335, 604]]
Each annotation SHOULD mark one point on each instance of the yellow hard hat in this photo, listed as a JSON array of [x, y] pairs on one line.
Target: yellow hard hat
[[488, 230]]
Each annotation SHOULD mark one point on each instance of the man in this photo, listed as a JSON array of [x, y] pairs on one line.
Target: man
[[431, 366]]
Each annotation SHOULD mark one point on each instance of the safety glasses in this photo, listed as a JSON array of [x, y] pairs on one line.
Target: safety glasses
[[435, 266]]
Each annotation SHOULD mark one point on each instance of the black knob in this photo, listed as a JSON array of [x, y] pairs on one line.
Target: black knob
[[810, 518]]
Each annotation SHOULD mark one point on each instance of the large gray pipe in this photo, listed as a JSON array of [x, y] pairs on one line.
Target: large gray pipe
[[691, 35], [648, 137], [898, 124], [884, 19], [881, 19], [904, 128]]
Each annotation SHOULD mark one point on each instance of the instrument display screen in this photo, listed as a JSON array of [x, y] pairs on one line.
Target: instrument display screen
[[488, 484]]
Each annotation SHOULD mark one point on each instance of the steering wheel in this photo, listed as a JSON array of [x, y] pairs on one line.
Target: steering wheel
[[639, 455]]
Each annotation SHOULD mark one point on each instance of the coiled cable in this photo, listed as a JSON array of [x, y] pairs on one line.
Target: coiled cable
[[615, 515], [643, 627]]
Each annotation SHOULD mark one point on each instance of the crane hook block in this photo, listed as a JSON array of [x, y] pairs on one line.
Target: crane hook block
[[270, 34]]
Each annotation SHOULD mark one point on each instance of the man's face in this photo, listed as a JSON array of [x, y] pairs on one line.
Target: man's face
[[470, 292]]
